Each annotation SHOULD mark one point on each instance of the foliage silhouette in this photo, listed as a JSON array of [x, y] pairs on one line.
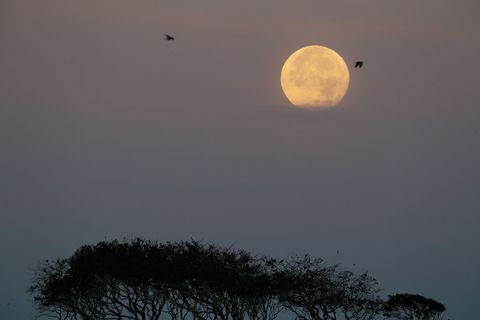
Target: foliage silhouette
[[412, 307], [319, 292], [144, 280]]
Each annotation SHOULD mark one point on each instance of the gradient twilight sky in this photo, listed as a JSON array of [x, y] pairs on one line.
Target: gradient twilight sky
[[107, 131]]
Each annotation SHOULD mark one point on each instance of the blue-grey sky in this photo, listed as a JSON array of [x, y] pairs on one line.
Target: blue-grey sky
[[107, 131]]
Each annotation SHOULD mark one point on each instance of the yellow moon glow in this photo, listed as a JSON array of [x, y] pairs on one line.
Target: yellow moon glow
[[315, 77]]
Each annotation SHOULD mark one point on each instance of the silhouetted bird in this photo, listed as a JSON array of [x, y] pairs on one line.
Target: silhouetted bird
[[358, 64], [338, 251], [169, 37]]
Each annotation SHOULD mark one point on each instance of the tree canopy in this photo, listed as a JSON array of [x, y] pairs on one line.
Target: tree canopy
[[318, 292], [413, 307], [189, 280]]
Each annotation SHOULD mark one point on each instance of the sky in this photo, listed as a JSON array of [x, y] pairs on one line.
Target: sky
[[108, 132]]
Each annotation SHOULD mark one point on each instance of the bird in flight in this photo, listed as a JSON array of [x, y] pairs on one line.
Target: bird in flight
[[358, 64], [169, 37]]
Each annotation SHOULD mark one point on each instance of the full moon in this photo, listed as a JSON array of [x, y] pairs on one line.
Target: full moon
[[315, 77]]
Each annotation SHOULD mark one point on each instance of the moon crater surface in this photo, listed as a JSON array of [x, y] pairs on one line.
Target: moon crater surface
[[315, 77]]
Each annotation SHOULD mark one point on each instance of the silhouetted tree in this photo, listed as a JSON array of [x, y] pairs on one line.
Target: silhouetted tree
[[145, 280], [413, 307], [314, 291], [360, 296], [107, 281], [227, 284]]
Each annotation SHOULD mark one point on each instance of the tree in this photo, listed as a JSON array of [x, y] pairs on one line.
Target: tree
[[110, 280], [314, 291], [412, 307], [227, 284], [146, 280], [360, 296]]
